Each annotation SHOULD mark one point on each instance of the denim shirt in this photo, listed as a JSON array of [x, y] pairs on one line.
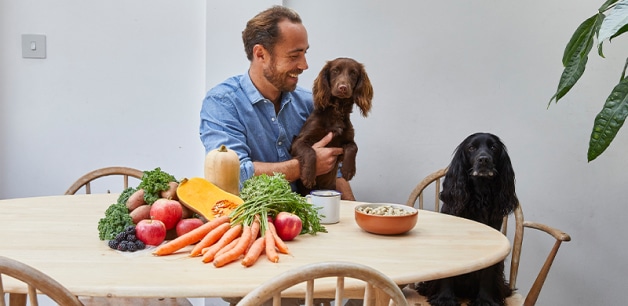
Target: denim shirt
[[236, 115]]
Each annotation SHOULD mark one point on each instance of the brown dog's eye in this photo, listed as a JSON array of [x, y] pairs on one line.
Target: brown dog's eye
[[334, 71]]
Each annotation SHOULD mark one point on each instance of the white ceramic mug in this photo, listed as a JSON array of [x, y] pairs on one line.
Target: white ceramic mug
[[329, 203]]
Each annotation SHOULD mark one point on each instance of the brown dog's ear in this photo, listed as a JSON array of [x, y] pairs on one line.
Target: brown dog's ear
[[322, 90], [363, 92]]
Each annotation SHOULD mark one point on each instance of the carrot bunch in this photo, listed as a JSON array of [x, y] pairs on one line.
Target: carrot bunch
[[221, 242]]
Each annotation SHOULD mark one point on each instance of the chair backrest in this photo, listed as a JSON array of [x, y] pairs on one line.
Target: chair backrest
[[434, 181], [273, 288], [86, 179], [36, 281]]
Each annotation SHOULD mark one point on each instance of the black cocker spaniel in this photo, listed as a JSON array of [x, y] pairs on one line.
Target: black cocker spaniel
[[479, 185]]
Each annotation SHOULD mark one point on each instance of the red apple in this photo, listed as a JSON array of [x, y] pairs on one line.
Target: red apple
[[167, 211], [151, 232], [186, 225], [288, 225]]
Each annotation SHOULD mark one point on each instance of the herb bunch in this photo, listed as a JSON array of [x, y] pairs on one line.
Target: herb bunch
[[153, 183], [266, 196], [116, 218]]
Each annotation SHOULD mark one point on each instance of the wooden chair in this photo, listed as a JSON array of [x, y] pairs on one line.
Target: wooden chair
[[309, 273], [37, 282], [434, 180], [86, 179]]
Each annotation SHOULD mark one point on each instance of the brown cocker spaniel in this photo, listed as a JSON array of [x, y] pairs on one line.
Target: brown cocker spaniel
[[341, 83]]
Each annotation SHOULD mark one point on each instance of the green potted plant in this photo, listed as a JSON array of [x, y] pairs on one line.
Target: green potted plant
[[610, 21]]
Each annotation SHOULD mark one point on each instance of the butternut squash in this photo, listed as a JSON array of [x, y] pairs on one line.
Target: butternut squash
[[222, 168], [205, 198]]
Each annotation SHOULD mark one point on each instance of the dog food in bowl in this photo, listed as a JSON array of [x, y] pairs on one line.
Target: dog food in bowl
[[386, 219]]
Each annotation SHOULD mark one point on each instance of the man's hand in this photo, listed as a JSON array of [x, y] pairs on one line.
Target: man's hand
[[325, 157]]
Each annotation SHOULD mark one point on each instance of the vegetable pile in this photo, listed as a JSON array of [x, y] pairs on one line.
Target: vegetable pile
[[246, 232], [117, 217]]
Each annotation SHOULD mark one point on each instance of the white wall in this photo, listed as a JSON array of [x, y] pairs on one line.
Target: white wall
[[123, 83]]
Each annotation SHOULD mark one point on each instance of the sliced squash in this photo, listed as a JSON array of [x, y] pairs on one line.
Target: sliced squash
[[205, 198]]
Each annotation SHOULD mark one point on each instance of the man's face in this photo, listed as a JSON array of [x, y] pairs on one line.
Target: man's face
[[288, 59]]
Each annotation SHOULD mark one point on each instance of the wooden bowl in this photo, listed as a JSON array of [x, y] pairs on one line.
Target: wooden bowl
[[386, 224]]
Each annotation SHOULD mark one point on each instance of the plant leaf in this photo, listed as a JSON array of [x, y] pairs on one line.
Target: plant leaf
[[575, 56], [609, 120], [614, 21], [583, 35], [571, 75], [623, 30], [606, 5]]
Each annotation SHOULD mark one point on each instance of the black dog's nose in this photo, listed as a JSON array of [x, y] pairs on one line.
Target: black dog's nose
[[483, 160]]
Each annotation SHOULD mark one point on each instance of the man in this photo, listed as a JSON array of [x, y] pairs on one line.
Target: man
[[257, 114]]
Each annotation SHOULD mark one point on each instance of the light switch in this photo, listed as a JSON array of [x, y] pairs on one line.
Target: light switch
[[33, 46]]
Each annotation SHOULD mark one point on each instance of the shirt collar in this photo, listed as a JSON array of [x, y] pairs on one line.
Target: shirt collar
[[250, 90]]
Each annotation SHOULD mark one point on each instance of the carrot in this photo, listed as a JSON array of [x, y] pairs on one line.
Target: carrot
[[271, 253], [227, 247], [237, 251], [233, 233], [255, 227], [190, 237], [279, 243], [210, 238], [204, 250], [254, 252]]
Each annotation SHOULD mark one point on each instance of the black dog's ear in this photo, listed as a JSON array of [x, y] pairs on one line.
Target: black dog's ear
[[321, 90], [455, 193], [363, 92], [506, 175]]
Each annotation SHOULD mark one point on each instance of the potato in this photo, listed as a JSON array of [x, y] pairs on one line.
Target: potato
[[187, 212], [171, 193], [140, 213], [135, 200]]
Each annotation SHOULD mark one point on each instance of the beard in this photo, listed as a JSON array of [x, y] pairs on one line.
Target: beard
[[278, 79]]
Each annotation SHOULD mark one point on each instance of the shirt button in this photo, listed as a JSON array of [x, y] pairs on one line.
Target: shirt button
[[272, 119], [279, 143]]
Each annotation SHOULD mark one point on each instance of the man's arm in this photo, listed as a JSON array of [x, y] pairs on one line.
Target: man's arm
[[325, 161]]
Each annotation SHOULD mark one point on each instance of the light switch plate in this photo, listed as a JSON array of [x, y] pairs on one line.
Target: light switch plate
[[33, 46]]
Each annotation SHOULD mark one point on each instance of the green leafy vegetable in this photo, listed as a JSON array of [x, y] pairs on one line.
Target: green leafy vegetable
[[154, 182], [124, 196], [266, 195], [116, 219]]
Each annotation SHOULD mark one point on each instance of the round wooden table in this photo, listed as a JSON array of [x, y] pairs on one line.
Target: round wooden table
[[59, 236]]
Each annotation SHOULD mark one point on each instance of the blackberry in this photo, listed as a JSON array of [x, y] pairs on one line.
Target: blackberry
[[130, 229], [113, 244], [131, 247], [140, 245], [131, 237], [123, 246], [121, 236]]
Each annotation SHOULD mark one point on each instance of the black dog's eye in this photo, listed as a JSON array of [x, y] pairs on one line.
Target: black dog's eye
[[471, 148], [494, 147]]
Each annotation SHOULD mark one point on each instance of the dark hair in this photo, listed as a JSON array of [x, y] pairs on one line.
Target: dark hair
[[263, 30]]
